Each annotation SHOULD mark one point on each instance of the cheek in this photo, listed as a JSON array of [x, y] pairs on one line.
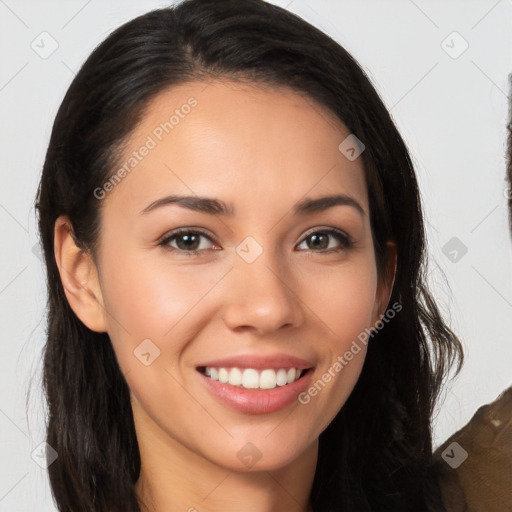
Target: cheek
[[156, 311], [343, 298], [148, 298]]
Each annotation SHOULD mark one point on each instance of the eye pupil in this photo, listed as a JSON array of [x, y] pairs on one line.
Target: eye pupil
[[189, 240], [315, 241]]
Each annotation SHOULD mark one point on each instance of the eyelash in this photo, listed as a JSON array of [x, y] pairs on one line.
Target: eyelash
[[346, 241]]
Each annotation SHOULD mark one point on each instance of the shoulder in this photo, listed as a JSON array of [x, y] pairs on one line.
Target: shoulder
[[475, 463]]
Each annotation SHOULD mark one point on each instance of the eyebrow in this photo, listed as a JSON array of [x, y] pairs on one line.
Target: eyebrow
[[217, 207]]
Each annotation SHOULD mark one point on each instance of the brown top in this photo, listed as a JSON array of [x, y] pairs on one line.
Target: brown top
[[476, 461]]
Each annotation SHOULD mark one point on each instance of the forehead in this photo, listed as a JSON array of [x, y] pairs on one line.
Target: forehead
[[236, 141]]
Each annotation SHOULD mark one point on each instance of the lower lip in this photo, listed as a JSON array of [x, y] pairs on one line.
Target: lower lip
[[257, 401]]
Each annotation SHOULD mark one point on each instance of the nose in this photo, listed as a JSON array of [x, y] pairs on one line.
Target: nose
[[261, 297]]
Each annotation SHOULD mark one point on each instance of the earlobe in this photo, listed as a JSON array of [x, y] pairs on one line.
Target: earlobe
[[79, 277]]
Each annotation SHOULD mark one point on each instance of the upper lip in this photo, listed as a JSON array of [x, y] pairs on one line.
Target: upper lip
[[259, 362]]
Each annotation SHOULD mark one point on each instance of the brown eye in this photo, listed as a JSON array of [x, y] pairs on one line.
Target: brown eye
[[320, 240], [187, 241]]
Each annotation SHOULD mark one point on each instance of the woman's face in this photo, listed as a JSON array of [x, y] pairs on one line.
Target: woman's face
[[270, 279]]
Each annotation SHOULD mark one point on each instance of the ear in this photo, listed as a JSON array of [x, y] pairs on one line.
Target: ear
[[385, 283], [79, 277]]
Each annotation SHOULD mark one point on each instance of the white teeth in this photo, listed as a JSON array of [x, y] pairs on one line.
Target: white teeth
[[282, 377], [268, 379], [223, 375], [235, 377], [250, 378]]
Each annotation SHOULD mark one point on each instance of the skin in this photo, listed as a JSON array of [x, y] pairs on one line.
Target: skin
[[262, 150]]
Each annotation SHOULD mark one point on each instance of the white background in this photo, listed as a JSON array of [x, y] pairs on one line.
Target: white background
[[451, 111]]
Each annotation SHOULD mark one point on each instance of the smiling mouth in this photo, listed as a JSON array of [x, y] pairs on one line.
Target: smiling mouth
[[251, 378]]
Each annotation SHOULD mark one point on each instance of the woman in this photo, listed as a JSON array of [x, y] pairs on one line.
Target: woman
[[238, 313]]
